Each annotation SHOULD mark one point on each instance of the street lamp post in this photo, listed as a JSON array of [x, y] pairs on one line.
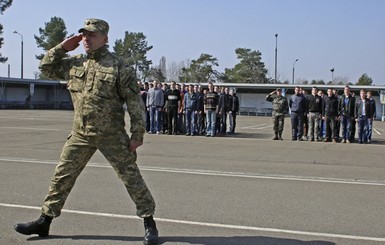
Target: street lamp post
[[293, 69], [276, 49], [332, 70], [22, 52]]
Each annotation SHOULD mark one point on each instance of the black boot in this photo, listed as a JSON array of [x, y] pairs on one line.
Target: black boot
[[40, 226], [280, 135], [151, 233], [276, 136]]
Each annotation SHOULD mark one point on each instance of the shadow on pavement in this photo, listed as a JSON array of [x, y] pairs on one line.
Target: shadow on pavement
[[238, 240]]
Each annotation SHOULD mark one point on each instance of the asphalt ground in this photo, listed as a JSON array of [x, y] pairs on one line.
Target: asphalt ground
[[241, 189]]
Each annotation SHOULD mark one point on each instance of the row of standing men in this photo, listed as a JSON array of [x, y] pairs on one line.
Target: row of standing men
[[317, 116], [189, 110]]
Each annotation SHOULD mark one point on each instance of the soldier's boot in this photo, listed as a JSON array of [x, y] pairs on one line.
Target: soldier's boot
[[280, 135], [151, 233], [276, 136], [40, 226]]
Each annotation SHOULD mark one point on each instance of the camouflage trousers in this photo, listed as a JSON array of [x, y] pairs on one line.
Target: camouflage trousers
[[77, 151], [278, 123]]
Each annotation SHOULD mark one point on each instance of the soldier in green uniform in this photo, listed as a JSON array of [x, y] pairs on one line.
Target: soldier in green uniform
[[99, 83], [280, 109]]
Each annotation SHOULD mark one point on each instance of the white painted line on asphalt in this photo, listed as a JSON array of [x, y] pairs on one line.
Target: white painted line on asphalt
[[253, 126], [377, 131], [221, 173], [270, 126], [38, 129], [216, 225]]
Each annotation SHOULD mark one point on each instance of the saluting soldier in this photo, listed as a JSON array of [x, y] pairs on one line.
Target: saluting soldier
[[280, 109], [99, 83]]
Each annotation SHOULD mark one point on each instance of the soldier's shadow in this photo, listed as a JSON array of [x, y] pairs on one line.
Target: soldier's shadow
[[203, 240]]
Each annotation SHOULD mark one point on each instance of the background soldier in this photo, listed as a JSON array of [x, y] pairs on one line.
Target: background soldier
[[280, 109], [100, 84]]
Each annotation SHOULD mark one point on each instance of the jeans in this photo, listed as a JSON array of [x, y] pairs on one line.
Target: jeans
[[346, 127], [370, 129], [296, 125], [362, 124], [211, 120], [154, 119], [190, 121]]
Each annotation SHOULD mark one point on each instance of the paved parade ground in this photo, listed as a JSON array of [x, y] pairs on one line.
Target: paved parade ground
[[241, 189]]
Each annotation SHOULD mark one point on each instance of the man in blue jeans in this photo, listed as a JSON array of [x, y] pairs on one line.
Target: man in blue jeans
[[346, 104], [297, 106], [211, 107], [362, 112]]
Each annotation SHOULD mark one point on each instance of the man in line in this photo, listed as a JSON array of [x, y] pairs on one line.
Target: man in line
[[314, 108], [154, 104], [297, 105], [223, 103], [346, 104], [173, 105], [372, 116], [329, 114], [210, 108], [362, 113], [280, 109], [190, 107], [99, 83], [233, 110]]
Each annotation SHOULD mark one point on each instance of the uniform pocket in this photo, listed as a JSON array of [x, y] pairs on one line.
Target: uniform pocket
[[75, 84], [105, 83]]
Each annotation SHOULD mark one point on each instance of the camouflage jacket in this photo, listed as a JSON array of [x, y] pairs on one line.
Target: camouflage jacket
[[280, 105], [99, 84]]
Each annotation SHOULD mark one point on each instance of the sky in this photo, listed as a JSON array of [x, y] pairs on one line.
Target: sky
[[347, 35]]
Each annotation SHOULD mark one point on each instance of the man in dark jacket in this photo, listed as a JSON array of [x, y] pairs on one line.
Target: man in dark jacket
[[223, 104], [372, 105], [233, 110], [314, 110], [362, 112], [297, 105], [329, 114], [346, 114]]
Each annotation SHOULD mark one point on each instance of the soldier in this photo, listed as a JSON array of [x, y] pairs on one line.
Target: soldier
[[280, 109], [99, 83]]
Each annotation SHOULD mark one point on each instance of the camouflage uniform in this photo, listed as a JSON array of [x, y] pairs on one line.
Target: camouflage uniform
[[99, 84], [280, 109]]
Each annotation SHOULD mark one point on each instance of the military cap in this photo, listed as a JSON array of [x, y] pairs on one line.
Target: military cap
[[95, 25]]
